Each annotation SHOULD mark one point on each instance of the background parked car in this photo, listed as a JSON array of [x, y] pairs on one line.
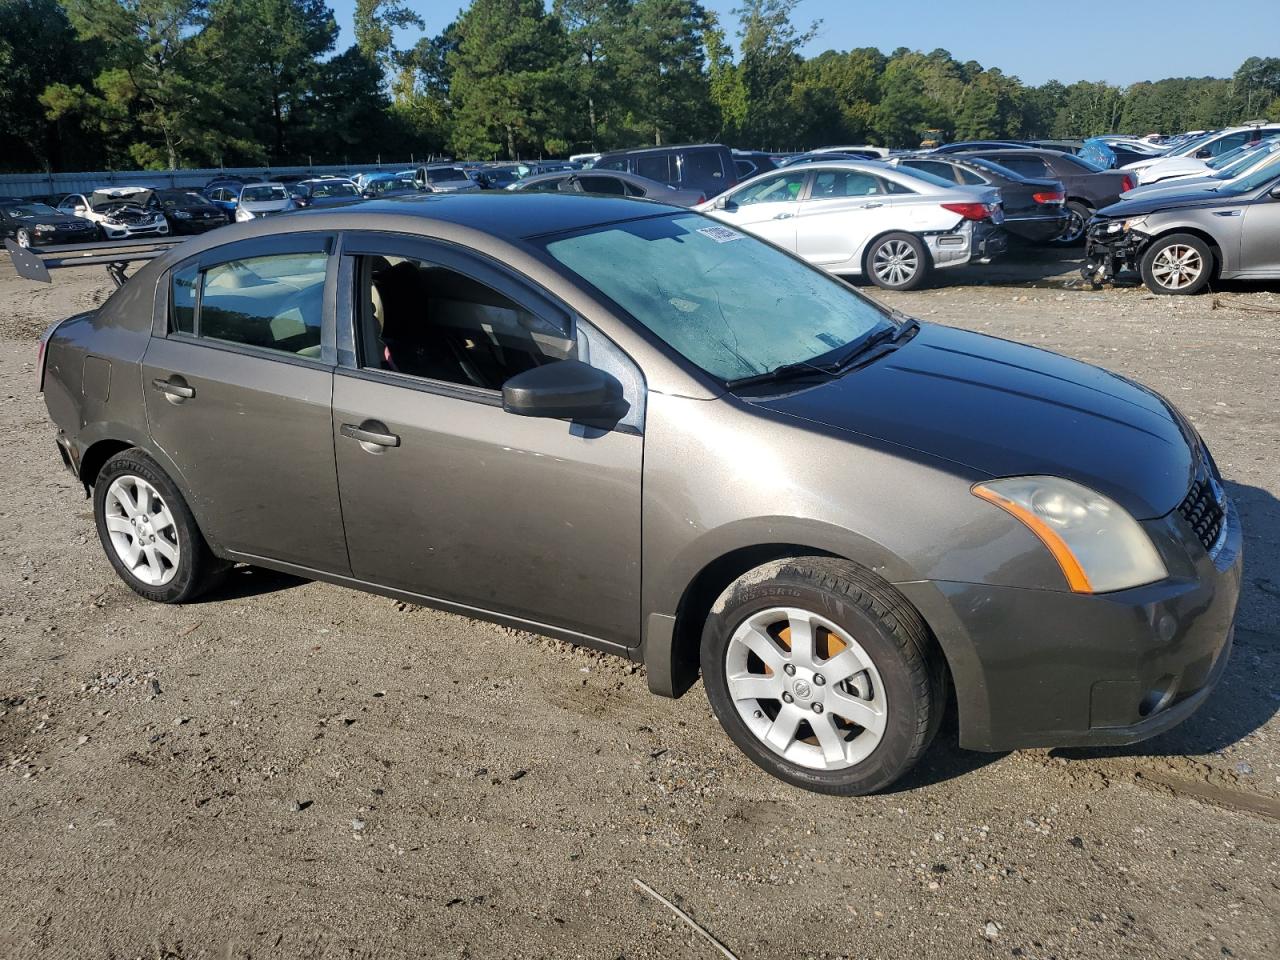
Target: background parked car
[[1175, 168], [35, 224], [324, 192], [119, 212], [1180, 243], [188, 211], [1201, 148], [496, 177], [854, 217], [1088, 186], [749, 163], [1112, 152], [444, 179], [1266, 156], [705, 167], [262, 200], [383, 185], [609, 183], [963, 146], [1034, 207]]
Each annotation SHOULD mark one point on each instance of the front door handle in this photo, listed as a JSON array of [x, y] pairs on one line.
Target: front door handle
[[370, 433], [783, 216], [174, 389], [872, 205]]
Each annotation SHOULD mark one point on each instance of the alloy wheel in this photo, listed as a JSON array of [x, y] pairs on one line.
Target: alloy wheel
[[1177, 266], [805, 688], [895, 262], [142, 530], [1074, 230]]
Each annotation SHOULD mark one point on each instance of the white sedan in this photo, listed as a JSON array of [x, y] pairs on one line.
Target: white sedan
[[119, 212], [855, 217]]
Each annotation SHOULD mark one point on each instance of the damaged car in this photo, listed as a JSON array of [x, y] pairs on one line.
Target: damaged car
[[119, 212], [1180, 243]]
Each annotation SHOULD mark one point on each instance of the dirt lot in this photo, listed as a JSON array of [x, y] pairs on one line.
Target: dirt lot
[[295, 770]]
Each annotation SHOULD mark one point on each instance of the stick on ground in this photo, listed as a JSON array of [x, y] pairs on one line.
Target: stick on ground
[[706, 934]]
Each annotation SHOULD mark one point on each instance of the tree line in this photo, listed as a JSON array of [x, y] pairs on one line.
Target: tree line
[[94, 84]]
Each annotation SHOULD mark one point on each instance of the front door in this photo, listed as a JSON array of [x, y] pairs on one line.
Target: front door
[[238, 391], [445, 494], [1260, 237], [767, 207], [844, 210]]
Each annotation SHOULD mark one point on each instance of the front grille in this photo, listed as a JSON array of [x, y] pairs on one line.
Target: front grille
[[1204, 508]]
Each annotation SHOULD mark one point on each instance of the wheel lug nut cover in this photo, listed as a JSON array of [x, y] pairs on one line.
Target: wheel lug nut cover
[[789, 670], [819, 679], [787, 697], [817, 708]]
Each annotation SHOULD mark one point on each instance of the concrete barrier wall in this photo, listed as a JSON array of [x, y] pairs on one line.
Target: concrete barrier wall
[[44, 184]]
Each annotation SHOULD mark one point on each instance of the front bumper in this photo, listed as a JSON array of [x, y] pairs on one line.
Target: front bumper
[[65, 235], [123, 231], [1108, 255], [1048, 668], [197, 225]]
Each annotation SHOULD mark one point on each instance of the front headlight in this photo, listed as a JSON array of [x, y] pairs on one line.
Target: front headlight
[[1135, 223], [45, 227], [242, 214], [1098, 545], [182, 215]]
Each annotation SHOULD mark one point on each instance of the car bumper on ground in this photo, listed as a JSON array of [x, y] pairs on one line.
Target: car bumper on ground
[[974, 241], [1037, 229], [1042, 668]]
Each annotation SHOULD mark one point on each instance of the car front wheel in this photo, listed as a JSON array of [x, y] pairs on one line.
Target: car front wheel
[[898, 261], [1179, 264], [823, 675], [148, 532], [23, 237]]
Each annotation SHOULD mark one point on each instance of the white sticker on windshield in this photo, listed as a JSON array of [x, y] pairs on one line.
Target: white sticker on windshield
[[720, 234]]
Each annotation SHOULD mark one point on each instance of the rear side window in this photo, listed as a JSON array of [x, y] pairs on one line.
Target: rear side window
[[655, 167], [617, 163], [610, 185], [272, 302], [702, 168], [1027, 166], [943, 170]]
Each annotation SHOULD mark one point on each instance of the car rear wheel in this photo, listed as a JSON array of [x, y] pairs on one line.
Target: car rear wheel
[[1078, 215], [148, 532], [22, 237], [1179, 264], [823, 675], [898, 261]]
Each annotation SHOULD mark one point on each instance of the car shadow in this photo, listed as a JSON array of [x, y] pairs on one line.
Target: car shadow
[[1246, 698], [242, 582]]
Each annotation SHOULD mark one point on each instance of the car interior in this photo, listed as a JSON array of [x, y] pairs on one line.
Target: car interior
[[424, 320]]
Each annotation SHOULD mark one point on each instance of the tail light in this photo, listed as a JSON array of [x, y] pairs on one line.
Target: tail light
[[1126, 183], [1049, 196], [702, 198], [971, 211]]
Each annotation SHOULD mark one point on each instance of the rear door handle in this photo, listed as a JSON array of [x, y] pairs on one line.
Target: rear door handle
[[174, 389], [370, 432], [872, 205], [783, 216]]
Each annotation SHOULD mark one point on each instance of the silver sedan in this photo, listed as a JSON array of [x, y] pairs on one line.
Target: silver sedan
[[854, 217]]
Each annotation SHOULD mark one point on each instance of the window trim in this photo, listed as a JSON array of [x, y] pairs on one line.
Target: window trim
[[463, 260], [277, 245]]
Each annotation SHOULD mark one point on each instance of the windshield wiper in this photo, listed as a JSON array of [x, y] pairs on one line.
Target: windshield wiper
[[892, 335], [788, 371]]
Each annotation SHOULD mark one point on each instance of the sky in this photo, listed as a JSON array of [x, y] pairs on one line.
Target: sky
[[1034, 40]]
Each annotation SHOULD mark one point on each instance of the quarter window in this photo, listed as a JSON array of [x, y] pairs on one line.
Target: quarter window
[[424, 320]]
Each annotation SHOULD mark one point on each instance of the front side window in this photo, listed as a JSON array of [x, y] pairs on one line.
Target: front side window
[[829, 184], [784, 188], [273, 302], [424, 320], [727, 302]]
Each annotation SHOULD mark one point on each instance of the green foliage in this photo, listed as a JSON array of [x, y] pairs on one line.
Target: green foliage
[[156, 83]]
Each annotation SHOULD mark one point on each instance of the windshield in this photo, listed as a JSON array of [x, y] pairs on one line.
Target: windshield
[[264, 193], [396, 183], [104, 201], [1268, 171], [182, 200], [730, 304], [334, 188], [1191, 146], [441, 174], [29, 211]]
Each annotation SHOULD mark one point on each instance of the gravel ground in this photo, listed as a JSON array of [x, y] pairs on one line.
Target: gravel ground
[[292, 769]]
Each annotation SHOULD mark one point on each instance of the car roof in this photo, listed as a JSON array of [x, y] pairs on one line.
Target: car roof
[[663, 149]]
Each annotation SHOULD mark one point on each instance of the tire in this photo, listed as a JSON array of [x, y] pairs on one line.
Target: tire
[[896, 683], [1074, 233], [1177, 265], [165, 557], [898, 261], [23, 237]]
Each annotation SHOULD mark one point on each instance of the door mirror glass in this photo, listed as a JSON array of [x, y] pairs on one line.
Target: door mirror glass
[[1275, 192], [565, 390], [1204, 154]]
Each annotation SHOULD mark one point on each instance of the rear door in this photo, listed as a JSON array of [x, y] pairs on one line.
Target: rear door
[[238, 381], [444, 493], [767, 207], [1260, 237]]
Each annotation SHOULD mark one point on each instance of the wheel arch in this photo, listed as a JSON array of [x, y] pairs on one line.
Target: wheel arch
[[865, 258], [1200, 234], [672, 643]]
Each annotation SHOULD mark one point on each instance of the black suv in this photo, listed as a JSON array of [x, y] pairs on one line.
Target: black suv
[[707, 167]]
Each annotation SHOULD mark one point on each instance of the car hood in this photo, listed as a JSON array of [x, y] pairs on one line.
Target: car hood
[[1004, 409], [57, 219]]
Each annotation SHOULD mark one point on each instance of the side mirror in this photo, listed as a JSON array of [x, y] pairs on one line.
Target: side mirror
[[565, 390], [1275, 192], [368, 194], [1203, 154], [723, 202]]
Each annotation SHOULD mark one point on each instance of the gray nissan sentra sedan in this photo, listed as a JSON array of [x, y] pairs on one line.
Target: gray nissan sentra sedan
[[637, 429]]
